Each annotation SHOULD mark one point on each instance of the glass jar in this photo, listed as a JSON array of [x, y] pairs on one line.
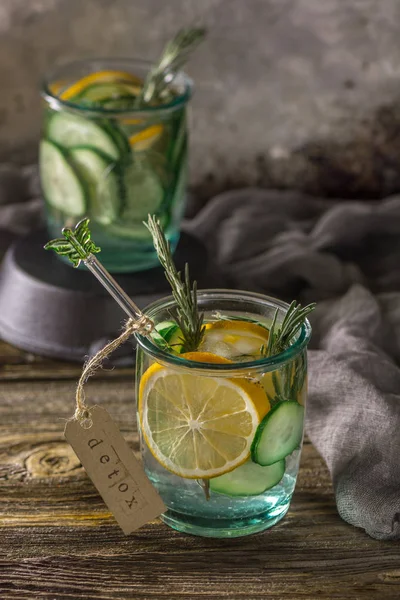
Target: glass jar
[[103, 158], [173, 394]]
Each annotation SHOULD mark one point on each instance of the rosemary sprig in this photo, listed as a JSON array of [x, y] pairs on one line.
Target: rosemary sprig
[[293, 374], [188, 318], [268, 350], [174, 56], [279, 339]]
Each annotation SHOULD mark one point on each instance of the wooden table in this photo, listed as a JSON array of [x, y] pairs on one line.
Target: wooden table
[[58, 541]]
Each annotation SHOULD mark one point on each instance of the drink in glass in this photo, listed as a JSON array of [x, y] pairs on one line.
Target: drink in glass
[[221, 428], [104, 156]]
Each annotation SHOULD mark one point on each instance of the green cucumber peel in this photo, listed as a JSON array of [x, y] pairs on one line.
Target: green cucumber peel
[[264, 449], [167, 336], [249, 479]]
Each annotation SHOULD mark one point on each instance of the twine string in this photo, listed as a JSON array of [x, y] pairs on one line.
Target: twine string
[[144, 326]]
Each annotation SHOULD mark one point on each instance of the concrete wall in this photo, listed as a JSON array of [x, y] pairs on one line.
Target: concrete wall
[[300, 93]]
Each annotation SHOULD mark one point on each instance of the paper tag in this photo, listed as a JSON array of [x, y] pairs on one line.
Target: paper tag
[[114, 470]]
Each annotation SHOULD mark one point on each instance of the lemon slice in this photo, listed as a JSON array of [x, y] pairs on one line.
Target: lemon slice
[[99, 77], [233, 339], [146, 138], [198, 426], [56, 86]]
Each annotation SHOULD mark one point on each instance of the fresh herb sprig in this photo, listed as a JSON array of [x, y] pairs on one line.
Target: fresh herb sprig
[[279, 339], [188, 318], [174, 56], [290, 383]]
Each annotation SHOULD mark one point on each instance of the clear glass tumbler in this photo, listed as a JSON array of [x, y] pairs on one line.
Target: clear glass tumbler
[[102, 157], [193, 416]]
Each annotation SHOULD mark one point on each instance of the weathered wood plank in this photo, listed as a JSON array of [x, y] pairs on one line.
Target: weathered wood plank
[[9, 354], [54, 371], [202, 570], [58, 541], [18, 365]]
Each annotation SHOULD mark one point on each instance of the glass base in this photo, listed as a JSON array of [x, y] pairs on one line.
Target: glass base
[[224, 528]]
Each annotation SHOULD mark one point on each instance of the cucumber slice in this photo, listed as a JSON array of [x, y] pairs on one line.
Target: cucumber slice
[[159, 340], [249, 479], [279, 433], [167, 329], [133, 231], [69, 130], [175, 341], [100, 92], [60, 182], [163, 333], [171, 336], [102, 182], [144, 192], [121, 103], [168, 335], [113, 129]]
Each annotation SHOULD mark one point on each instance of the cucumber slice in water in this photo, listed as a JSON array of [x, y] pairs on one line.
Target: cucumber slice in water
[[279, 433], [167, 329], [102, 182], [121, 103], [60, 182], [167, 335], [69, 130], [175, 341], [144, 192], [249, 479], [116, 133], [163, 333], [172, 334], [108, 91], [126, 230]]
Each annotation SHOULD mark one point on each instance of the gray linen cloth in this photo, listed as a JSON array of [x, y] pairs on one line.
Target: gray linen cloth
[[343, 254], [354, 410], [346, 255]]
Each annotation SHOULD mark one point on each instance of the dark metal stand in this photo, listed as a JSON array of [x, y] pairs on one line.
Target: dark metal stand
[[49, 308]]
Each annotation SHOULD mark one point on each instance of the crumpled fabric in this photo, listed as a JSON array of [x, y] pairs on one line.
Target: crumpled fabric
[[346, 256], [290, 244], [354, 406]]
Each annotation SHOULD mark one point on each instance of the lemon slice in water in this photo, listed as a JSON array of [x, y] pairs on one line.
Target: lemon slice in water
[[100, 77], [234, 339], [198, 426], [146, 138]]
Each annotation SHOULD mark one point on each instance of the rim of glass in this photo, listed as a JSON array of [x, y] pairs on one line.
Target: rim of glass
[[58, 104], [270, 363]]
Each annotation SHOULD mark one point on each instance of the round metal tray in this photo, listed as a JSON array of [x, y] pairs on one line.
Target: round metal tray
[[49, 308]]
